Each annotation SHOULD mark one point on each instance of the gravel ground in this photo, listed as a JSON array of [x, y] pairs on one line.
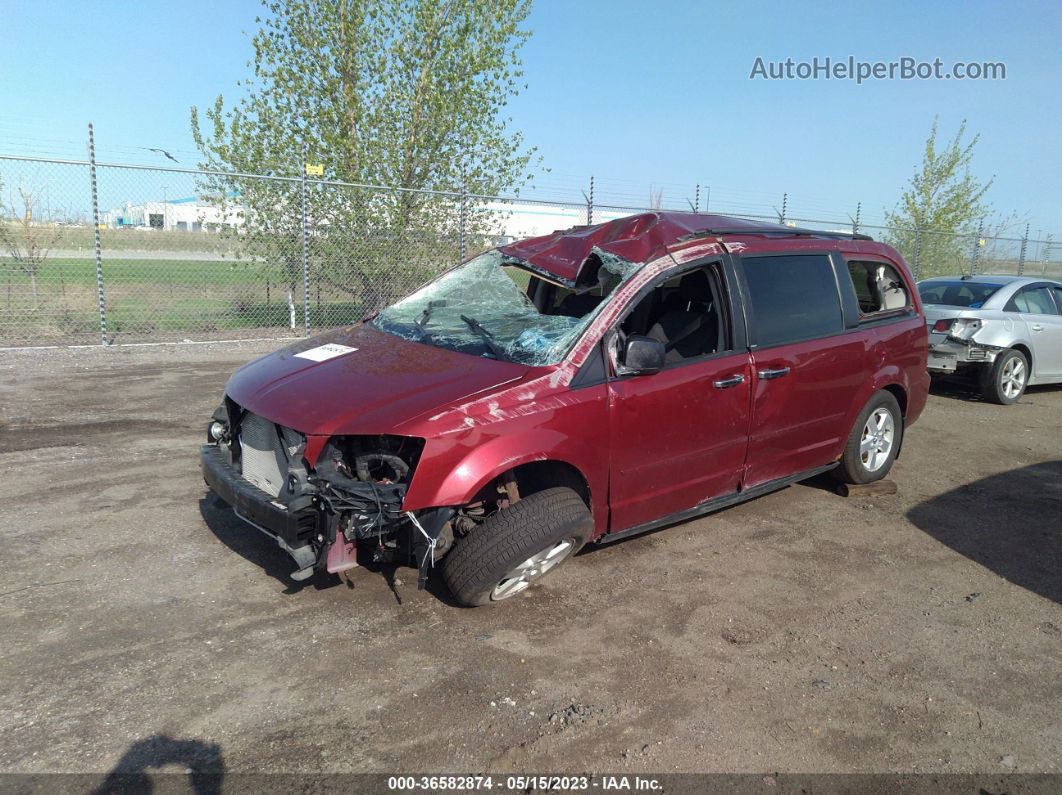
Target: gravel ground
[[143, 624]]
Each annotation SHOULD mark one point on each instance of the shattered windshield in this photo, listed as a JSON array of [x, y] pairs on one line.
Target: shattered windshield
[[489, 307]]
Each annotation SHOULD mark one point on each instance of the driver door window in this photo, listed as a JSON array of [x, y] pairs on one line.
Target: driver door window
[[686, 313]]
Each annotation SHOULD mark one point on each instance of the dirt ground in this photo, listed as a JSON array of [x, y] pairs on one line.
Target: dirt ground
[[142, 624]]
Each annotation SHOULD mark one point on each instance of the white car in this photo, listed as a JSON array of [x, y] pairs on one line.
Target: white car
[[1005, 330]]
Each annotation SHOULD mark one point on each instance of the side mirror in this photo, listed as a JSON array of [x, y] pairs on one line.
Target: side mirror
[[643, 355]]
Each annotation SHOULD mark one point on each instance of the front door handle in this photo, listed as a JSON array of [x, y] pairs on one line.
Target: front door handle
[[1037, 327], [767, 375], [726, 383]]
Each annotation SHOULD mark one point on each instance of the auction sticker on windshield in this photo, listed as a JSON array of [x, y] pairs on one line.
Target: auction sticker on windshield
[[324, 352]]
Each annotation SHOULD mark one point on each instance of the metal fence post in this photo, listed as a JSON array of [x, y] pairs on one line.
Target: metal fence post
[[590, 204], [785, 208], [697, 198], [917, 252], [305, 250], [977, 248], [96, 236], [1045, 254], [855, 221], [1021, 254], [462, 224]]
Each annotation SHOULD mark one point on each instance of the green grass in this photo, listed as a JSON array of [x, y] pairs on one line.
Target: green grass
[[148, 299], [155, 272]]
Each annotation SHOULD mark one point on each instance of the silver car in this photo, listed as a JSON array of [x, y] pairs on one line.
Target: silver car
[[1005, 330]]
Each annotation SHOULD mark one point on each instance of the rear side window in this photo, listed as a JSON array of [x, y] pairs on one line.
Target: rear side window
[[1034, 301], [878, 287], [793, 297]]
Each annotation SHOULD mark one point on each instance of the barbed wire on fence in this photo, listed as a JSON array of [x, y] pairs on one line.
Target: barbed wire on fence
[[139, 253]]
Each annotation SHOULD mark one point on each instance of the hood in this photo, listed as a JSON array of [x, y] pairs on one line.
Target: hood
[[382, 382]]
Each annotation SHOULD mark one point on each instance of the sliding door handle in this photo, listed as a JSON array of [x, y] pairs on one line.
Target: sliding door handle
[[726, 383], [767, 375]]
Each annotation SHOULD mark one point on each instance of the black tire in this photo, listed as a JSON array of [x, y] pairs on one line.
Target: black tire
[[853, 469], [480, 561], [994, 376]]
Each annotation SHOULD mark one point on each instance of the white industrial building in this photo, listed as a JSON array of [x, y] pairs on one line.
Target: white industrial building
[[513, 221], [185, 215]]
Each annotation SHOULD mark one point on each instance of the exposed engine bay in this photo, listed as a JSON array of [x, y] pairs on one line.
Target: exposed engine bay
[[348, 507]]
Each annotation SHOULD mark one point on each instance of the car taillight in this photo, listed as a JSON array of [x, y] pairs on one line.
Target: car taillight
[[943, 325]]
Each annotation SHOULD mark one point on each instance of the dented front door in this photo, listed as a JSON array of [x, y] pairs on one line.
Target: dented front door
[[678, 437]]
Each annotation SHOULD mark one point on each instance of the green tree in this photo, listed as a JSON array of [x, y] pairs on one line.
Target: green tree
[[404, 93], [944, 201]]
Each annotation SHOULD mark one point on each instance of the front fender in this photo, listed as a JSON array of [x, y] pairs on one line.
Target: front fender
[[571, 428]]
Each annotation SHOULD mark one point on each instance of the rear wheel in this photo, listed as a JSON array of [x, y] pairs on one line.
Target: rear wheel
[[874, 441], [1004, 381], [517, 546]]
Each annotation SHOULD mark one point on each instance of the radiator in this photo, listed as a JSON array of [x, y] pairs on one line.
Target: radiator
[[265, 450]]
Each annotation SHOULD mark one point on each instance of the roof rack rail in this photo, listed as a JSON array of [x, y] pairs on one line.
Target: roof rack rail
[[773, 229]]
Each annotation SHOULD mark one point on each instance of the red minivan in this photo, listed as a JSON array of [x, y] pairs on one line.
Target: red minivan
[[579, 387]]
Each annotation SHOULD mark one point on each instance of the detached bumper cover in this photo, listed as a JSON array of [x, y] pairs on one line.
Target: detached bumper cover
[[256, 507]]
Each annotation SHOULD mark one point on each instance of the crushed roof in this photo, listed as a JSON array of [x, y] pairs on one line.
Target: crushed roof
[[635, 238]]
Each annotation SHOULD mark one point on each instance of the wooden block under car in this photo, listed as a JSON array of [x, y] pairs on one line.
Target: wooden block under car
[[875, 489]]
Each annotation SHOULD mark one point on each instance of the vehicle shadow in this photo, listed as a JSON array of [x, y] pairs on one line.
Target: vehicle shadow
[[252, 545], [963, 388], [956, 387], [1010, 523], [249, 543], [202, 763]]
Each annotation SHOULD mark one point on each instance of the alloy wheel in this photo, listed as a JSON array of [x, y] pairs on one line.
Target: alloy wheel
[[875, 444], [1012, 378], [521, 577]]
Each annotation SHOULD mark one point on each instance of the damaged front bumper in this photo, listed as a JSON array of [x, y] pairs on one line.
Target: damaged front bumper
[[320, 517], [306, 534], [955, 353], [293, 532]]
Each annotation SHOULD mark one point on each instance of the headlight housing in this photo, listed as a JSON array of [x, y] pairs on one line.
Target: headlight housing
[[218, 428]]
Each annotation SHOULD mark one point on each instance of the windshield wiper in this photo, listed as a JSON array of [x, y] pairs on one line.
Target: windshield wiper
[[486, 336], [426, 316]]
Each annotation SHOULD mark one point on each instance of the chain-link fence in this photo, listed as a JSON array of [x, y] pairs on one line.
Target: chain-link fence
[[93, 252]]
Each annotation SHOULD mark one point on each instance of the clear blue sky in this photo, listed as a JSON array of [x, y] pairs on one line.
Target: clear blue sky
[[639, 94]]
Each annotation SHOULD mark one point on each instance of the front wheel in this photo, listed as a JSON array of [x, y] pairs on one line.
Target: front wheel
[[1004, 381], [517, 546], [874, 441]]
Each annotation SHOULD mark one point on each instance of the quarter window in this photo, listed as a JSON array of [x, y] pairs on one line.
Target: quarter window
[[793, 298], [878, 287], [1034, 301]]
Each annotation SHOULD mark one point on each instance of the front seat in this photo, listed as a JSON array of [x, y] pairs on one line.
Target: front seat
[[689, 326]]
